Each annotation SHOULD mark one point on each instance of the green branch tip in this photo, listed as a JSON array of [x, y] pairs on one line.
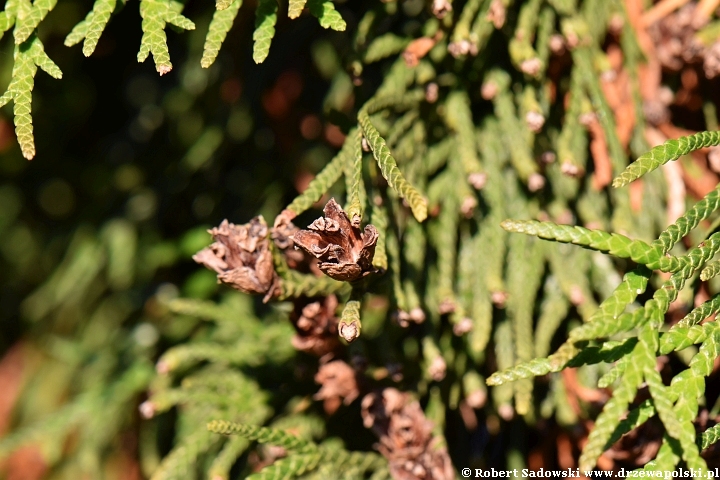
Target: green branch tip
[[612, 243], [662, 154], [350, 327], [264, 435], [156, 14], [326, 14], [265, 20], [91, 28], [295, 8], [220, 25], [387, 163]]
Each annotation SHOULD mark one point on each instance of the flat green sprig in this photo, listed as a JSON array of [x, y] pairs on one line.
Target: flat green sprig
[[28, 57], [303, 455], [90, 29], [26, 16], [156, 14], [662, 154], [387, 163], [676, 405], [220, 25]]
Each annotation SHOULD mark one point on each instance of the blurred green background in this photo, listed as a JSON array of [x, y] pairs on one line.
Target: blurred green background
[[159, 158], [131, 170]]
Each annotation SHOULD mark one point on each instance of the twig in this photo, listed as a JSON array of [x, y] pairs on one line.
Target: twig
[[619, 97], [661, 9], [704, 11], [600, 155], [650, 73], [636, 195]]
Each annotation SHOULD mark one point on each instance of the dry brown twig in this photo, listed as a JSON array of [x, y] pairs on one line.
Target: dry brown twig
[[602, 176], [649, 73], [565, 456], [661, 9], [618, 93], [704, 11], [418, 48]]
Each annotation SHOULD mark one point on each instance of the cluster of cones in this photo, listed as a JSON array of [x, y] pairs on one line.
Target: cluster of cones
[[246, 258]]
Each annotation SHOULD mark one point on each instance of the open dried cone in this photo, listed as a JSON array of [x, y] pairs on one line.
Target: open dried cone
[[282, 236], [316, 325], [345, 252], [677, 45], [406, 438], [338, 385], [242, 258]]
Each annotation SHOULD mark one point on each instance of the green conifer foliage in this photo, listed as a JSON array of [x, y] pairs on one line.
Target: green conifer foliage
[[461, 252]]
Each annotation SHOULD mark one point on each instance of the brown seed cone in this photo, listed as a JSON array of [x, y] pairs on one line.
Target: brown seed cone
[[316, 325], [283, 230], [674, 39], [282, 235], [241, 257], [338, 385], [345, 252], [406, 438]]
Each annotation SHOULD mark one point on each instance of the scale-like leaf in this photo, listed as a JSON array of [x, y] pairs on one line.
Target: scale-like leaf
[[92, 27], [325, 12], [388, 164], [220, 25], [184, 457], [660, 155], [612, 243], [263, 435], [26, 23], [295, 8], [536, 367], [385, 46], [7, 16], [293, 466], [612, 413], [689, 220], [353, 176], [265, 19], [28, 57], [156, 14], [710, 436]]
